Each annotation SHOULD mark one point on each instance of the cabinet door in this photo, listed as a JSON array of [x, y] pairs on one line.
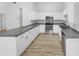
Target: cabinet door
[[24, 40], [21, 43], [42, 28], [72, 46], [57, 29], [36, 30]]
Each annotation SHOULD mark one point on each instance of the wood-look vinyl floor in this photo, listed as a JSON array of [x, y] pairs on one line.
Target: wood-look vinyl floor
[[45, 45]]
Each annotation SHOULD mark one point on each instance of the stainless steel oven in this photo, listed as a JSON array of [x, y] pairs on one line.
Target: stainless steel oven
[[49, 24]]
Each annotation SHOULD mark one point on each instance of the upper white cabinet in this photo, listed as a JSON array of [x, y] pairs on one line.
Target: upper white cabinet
[[65, 14], [72, 12], [76, 16], [69, 13], [76, 12]]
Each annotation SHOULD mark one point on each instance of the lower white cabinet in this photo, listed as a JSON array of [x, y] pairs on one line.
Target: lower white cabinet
[[12, 46], [8, 46], [72, 46], [24, 40], [42, 28], [57, 29], [16, 45]]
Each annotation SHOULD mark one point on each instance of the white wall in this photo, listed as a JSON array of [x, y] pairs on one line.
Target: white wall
[[28, 12], [76, 12], [54, 9], [56, 16], [3, 5], [28, 15], [49, 6], [76, 16], [12, 20], [31, 11], [3, 10], [12, 16]]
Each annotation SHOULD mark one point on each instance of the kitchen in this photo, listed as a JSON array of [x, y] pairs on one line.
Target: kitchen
[[21, 23]]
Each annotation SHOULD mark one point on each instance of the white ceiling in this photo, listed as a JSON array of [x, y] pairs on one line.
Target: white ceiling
[[49, 6]]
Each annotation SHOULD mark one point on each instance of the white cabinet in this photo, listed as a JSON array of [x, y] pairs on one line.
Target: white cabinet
[[42, 28], [12, 46], [72, 47], [7, 46], [24, 40], [57, 29]]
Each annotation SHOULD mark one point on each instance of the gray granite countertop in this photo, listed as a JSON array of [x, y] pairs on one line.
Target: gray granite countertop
[[69, 32], [17, 31], [44, 21]]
